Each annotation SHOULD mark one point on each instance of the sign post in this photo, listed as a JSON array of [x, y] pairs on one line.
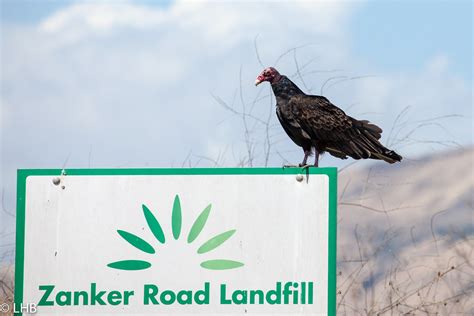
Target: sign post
[[149, 241]]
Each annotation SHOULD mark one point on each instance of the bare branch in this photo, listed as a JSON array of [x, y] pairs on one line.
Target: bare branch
[[3, 205], [256, 51]]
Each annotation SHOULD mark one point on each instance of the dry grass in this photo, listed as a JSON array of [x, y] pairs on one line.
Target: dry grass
[[410, 284], [7, 286], [406, 244]]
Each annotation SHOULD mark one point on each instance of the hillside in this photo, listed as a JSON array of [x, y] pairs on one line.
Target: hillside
[[406, 236]]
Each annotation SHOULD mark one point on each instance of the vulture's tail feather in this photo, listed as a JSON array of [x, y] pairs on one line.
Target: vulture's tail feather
[[364, 125], [365, 144], [389, 156]]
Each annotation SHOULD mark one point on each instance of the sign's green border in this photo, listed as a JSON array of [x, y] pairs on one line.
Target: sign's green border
[[23, 174]]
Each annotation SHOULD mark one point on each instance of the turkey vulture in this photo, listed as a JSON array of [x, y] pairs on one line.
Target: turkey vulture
[[312, 121]]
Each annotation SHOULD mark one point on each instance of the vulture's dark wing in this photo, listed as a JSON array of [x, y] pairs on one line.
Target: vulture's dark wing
[[293, 128], [320, 118], [336, 132]]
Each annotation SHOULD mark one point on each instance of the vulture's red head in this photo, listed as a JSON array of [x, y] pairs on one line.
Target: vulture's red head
[[269, 74]]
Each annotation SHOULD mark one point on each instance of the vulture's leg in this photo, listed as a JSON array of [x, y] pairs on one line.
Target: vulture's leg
[[306, 155], [316, 157]]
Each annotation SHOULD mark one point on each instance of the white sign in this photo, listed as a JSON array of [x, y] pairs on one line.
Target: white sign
[[149, 241]]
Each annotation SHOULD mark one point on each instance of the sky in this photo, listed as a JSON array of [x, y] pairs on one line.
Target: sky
[[135, 83]]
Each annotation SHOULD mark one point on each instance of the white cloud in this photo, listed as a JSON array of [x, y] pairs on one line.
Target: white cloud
[[102, 17], [226, 23], [438, 65]]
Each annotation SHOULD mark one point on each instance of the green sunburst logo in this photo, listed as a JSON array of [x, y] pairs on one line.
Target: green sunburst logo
[[176, 221]]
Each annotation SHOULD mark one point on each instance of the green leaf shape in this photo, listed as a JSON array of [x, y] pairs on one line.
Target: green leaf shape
[[130, 265], [221, 264], [154, 225], [215, 241], [199, 224], [176, 218], [136, 241]]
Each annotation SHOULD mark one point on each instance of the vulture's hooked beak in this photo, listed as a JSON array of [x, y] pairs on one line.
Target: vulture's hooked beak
[[259, 80]]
